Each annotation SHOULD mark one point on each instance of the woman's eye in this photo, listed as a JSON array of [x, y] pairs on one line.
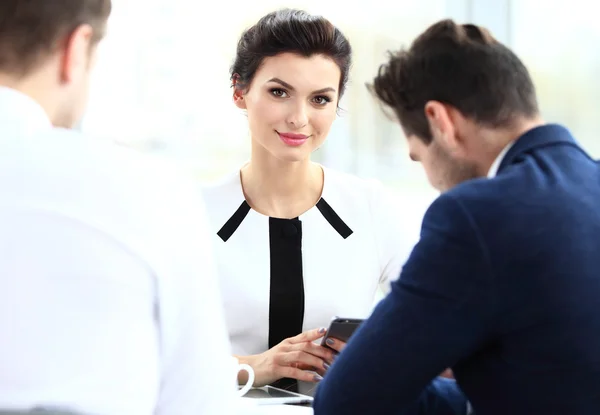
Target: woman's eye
[[320, 100], [280, 93]]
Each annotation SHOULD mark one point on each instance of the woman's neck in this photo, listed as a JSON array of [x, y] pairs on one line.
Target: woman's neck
[[281, 189]]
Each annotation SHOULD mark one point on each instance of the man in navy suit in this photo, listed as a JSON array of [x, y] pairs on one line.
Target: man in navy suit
[[504, 284]]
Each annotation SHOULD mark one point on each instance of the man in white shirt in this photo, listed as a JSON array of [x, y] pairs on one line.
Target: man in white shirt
[[108, 297]]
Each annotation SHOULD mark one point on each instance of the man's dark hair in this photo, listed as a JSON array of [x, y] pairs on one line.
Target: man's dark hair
[[459, 65], [293, 31], [30, 30]]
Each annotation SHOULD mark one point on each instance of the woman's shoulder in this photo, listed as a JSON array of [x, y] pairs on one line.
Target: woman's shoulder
[[222, 197], [349, 186], [221, 187], [386, 208]]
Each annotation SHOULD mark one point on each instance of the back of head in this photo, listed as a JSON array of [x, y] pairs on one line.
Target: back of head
[[31, 30], [47, 51], [459, 65], [292, 31]]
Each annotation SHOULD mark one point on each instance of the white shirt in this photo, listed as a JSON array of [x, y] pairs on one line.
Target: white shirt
[[284, 276], [108, 296], [498, 160]]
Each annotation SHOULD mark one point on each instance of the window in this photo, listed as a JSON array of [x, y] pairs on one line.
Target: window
[[162, 83], [561, 51]]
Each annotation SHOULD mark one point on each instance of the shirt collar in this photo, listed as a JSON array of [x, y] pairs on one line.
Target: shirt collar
[[496, 164], [20, 111]]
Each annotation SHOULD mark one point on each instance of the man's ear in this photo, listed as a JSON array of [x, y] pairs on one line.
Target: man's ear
[[75, 59], [441, 124]]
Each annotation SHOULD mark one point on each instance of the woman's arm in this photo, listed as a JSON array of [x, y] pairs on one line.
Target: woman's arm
[[292, 358]]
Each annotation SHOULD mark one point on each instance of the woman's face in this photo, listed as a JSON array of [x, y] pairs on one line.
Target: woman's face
[[291, 104]]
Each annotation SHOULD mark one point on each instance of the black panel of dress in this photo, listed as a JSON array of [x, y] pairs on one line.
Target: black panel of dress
[[286, 298]]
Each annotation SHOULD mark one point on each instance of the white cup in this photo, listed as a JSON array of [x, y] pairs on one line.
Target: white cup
[[247, 368]]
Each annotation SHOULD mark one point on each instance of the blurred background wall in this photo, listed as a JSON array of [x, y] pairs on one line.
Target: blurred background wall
[[162, 83]]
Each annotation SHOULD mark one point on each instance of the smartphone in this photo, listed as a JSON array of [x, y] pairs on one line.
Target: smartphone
[[341, 329]]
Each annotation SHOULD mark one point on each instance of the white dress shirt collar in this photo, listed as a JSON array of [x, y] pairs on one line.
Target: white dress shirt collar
[[21, 111], [496, 164]]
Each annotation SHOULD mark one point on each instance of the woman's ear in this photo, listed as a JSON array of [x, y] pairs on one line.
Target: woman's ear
[[238, 92], [238, 99]]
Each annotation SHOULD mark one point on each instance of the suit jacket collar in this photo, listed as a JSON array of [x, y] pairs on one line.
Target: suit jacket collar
[[542, 136]]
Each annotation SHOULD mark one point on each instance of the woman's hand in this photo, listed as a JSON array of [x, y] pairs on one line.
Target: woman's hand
[[335, 344], [292, 358]]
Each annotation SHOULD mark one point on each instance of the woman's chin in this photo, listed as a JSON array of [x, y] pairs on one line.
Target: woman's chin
[[292, 154]]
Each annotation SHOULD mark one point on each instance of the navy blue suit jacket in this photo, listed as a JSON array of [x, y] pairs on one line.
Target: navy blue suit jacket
[[503, 287]]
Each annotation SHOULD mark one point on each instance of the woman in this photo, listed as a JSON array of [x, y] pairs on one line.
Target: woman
[[297, 243]]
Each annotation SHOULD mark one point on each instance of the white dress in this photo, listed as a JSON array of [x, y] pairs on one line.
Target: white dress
[[280, 277]]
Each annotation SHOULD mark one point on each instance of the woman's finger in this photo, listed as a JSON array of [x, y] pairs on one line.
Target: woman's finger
[[294, 373], [320, 371], [335, 344], [314, 349], [308, 336], [299, 357]]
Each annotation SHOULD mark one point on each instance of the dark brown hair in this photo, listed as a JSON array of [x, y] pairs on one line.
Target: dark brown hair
[[294, 31], [30, 30], [462, 66]]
